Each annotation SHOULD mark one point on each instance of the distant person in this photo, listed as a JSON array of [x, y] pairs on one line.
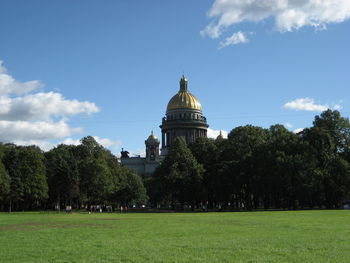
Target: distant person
[[68, 208]]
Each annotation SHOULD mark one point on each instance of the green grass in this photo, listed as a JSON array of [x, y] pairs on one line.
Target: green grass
[[291, 236]]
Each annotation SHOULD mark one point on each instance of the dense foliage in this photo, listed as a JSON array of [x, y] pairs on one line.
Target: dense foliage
[[79, 176], [179, 178], [253, 168], [261, 168]]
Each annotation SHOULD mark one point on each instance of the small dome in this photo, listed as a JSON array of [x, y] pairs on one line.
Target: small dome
[[152, 138], [183, 99], [220, 137]]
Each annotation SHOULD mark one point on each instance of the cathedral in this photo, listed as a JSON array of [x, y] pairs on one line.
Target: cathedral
[[183, 118]]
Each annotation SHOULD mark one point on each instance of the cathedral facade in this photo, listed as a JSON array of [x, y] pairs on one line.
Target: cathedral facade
[[183, 118]]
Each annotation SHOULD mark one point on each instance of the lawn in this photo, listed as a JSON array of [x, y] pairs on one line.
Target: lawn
[[289, 236]]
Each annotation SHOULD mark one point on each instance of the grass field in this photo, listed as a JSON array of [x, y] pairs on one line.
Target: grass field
[[291, 236]]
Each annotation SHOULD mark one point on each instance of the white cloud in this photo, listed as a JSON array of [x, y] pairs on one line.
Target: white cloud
[[308, 104], [337, 107], [212, 30], [24, 130], [237, 38], [42, 106], [108, 143], [215, 133], [288, 125], [71, 141], [8, 85], [138, 152], [105, 142], [43, 145], [298, 130], [288, 15], [30, 117]]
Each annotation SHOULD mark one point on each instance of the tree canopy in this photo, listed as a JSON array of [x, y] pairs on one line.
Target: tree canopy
[[80, 176], [253, 168], [263, 168], [179, 178]]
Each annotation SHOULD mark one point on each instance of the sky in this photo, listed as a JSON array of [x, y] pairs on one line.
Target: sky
[[107, 69]]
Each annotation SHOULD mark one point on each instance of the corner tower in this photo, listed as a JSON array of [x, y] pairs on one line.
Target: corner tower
[[183, 118], [152, 148]]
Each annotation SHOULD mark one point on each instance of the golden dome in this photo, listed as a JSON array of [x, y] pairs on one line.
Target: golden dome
[[152, 137], [183, 99]]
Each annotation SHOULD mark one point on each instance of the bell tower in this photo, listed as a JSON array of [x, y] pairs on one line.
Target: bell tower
[[152, 148]]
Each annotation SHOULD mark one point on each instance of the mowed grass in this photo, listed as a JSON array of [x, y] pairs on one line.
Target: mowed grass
[[289, 236]]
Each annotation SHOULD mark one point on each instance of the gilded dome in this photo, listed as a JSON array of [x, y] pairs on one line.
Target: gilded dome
[[183, 99], [152, 137]]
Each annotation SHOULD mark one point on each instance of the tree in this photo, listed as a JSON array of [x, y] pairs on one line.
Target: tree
[[179, 178], [96, 180], [4, 177], [329, 141], [131, 189], [281, 174], [337, 127], [240, 163], [103, 179], [4, 182], [63, 175], [33, 175], [25, 165], [11, 162], [206, 153]]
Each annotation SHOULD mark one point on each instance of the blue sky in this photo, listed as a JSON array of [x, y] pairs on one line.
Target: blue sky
[[108, 68]]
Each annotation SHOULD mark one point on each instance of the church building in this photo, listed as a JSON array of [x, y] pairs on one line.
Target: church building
[[183, 118]]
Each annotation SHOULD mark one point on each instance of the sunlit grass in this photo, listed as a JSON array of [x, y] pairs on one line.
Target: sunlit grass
[[291, 236]]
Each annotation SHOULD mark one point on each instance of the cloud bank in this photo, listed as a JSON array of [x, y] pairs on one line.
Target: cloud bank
[[28, 116], [288, 15], [308, 104]]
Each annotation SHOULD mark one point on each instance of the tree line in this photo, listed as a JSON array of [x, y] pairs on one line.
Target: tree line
[[79, 176], [253, 168], [259, 168]]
